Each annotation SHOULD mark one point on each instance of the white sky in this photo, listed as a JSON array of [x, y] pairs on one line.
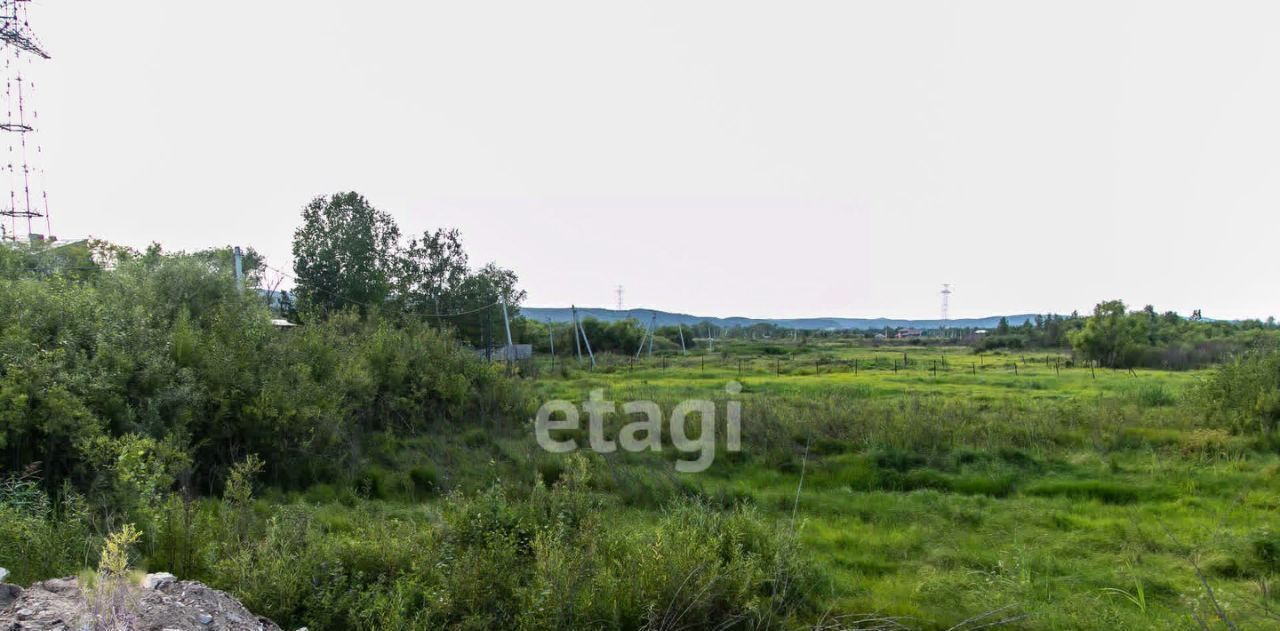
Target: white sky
[[723, 158]]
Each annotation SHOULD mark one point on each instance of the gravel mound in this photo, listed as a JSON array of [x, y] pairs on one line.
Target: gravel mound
[[161, 603]]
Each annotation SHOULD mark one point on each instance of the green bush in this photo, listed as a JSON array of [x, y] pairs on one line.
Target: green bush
[[166, 349], [550, 559], [1244, 394], [425, 480], [41, 537]]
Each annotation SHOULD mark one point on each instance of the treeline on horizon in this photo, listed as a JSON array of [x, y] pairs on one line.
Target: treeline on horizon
[[1112, 336]]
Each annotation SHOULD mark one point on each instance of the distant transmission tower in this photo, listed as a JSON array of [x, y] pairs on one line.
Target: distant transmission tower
[[20, 120], [619, 297], [946, 306]]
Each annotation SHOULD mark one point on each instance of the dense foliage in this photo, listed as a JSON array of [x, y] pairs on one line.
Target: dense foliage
[[148, 393], [168, 349], [349, 255], [1244, 394], [1114, 337], [1117, 338]]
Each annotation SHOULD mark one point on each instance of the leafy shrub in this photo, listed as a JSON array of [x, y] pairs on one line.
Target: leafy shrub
[[425, 480], [1265, 546], [548, 560], [39, 537], [1154, 395], [1244, 395], [165, 355]]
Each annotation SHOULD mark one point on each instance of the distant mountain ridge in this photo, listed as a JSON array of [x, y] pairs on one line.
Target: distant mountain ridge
[[666, 318]]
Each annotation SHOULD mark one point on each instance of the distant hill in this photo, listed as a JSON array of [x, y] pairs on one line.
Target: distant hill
[[665, 318]]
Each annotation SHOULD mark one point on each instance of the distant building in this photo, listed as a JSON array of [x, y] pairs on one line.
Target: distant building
[[909, 333], [515, 352], [980, 332]]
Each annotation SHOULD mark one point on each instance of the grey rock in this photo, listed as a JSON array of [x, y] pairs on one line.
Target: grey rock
[[204, 618], [8, 595], [158, 580], [3, 574]]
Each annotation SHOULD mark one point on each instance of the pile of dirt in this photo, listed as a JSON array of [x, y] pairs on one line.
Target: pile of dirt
[[160, 603]]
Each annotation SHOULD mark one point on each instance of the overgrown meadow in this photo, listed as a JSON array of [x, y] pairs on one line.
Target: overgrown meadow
[[963, 490], [369, 471]]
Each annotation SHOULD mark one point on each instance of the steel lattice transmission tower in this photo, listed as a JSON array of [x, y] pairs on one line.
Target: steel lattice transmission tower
[[19, 46], [619, 292], [946, 305]]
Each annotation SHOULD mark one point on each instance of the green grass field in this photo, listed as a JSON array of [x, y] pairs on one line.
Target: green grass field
[[943, 489]]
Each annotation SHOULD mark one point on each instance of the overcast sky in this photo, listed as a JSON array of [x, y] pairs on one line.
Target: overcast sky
[[798, 158]]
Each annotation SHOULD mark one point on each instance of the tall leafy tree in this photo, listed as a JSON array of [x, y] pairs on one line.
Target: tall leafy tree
[[345, 253], [1003, 327], [1112, 336], [432, 270], [477, 296]]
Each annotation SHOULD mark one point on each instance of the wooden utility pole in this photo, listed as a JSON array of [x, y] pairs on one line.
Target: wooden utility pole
[[551, 337], [653, 325], [511, 347], [238, 263], [577, 341], [647, 332]]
